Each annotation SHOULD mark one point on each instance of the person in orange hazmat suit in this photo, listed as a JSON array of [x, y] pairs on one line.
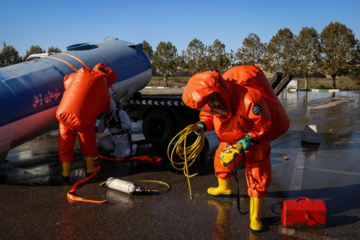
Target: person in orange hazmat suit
[[86, 96], [239, 115]]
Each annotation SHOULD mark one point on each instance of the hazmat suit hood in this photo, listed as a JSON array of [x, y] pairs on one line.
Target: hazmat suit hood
[[107, 72], [202, 86], [112, 106]]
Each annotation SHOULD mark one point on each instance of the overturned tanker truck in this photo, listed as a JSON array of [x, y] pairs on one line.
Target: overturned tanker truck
[[30, 93]]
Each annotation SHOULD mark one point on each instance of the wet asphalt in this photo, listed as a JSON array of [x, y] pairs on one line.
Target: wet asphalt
[[34, 205]]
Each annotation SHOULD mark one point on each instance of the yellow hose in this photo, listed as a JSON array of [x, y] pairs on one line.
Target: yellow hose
[[188, 154]]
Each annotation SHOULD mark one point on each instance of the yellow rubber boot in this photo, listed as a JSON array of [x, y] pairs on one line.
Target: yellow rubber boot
[[224, 188], [66, 170], [255, 207], [89, 165]]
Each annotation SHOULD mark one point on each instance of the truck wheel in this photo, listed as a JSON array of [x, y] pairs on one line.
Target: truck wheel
[[158, 127]]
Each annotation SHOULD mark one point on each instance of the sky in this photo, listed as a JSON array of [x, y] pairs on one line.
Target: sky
[[57, 23]]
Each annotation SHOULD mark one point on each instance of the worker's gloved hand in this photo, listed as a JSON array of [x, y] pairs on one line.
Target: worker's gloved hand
[[202, 128], [246, 142], [228, 154]]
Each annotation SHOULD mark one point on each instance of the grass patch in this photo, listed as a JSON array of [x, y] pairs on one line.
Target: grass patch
[[173, 82], [345, 84]]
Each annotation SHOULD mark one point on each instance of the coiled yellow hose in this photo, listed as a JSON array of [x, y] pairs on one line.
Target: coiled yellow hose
[[188, 154]]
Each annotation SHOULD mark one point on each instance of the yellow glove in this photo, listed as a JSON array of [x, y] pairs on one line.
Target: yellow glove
[[229, 153]]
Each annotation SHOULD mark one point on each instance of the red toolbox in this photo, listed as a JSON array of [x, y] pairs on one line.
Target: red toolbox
[[303, 213]]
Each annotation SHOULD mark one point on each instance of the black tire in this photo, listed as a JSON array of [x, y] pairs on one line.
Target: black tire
[[159, 127]]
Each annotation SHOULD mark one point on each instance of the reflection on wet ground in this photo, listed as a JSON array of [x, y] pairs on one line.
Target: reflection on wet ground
[[34, 197]]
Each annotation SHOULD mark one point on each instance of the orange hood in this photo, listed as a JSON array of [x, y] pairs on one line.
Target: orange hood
[[107, 72], [201, 86]]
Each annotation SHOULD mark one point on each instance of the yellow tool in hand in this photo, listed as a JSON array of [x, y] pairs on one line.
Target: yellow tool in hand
[[230, 153]]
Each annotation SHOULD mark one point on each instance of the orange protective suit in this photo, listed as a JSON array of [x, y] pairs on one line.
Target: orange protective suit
[[248, 112], [86, 96]]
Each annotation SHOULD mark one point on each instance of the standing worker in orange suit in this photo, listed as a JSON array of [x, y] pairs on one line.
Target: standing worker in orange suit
[[239, 115], [86, 96]]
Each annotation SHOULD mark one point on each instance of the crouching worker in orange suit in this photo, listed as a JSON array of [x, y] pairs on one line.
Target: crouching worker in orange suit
[[86, 96], [239, 115]]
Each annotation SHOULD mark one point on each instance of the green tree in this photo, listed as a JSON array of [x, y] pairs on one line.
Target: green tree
[[53, 49], [194, 58], [218, 57], [307, 52], [339, 50], [148, 50], [9, 56], [252, 52], [231, 56], [33, 50], [180, 63], [165, 59], [280, 51], [150, 53]]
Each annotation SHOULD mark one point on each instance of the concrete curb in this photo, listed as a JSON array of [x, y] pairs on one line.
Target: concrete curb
[[325, 90]]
